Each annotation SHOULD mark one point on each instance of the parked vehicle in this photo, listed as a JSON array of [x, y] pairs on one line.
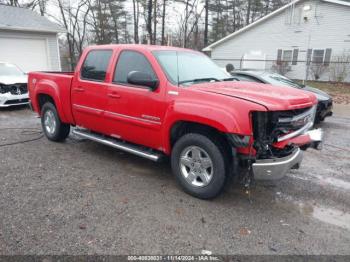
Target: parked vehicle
[[325, 103], [13, 86], [157, 101]]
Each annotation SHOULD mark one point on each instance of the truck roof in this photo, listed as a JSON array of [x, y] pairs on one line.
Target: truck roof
[[140, 47]]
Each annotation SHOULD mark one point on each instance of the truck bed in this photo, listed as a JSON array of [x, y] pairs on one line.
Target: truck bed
[[59, 84]]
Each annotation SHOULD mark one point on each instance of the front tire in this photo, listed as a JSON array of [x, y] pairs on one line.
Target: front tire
[[52, 125], [199, 165]]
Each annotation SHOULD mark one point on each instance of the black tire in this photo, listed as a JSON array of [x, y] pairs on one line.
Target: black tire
[[60, 131], [218, 155]]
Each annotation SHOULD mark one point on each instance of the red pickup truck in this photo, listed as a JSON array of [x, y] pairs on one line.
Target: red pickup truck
[[156, 101]]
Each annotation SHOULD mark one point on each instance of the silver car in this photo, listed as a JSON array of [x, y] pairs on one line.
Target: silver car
[[13, 85]]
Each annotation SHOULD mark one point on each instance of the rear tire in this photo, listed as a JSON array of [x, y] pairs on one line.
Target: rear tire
[[199, 164], [52, 125]]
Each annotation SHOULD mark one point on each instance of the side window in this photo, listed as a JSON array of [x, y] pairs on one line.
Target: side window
[[131, 61], [95, 65]]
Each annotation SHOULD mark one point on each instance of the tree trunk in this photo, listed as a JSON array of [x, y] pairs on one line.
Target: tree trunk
[[185, 27], [248, 12], [163, 22], [155, 22], [149, 21], [206, 21], [69, 40], [136, 20]]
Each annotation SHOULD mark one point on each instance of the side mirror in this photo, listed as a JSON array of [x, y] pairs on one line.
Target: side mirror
[[142, 79]]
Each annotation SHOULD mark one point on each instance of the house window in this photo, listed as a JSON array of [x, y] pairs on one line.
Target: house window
[[317, 56], [287, 55], [322, 56]]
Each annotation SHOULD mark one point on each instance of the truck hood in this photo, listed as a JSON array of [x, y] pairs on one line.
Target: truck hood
[[10, 80], [274, 98]]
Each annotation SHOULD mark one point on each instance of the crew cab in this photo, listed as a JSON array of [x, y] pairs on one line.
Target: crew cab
[[156, 101]]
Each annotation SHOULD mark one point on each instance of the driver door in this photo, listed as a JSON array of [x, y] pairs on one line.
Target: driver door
[[135, 113]]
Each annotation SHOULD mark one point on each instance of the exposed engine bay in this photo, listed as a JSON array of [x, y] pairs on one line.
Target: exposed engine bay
[[276, 126]]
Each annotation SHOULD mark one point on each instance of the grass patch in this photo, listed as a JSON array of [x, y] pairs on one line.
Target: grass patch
[[340, 92], [331, 87]]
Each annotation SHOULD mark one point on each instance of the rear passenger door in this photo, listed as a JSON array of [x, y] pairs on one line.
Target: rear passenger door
[[89, 91]]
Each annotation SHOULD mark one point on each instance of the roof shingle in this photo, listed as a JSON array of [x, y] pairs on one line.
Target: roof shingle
[[22, 19]]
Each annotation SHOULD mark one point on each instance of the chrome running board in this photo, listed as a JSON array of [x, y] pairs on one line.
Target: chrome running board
[[109, 141]]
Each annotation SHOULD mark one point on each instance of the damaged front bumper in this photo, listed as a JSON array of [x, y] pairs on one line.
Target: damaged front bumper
[[277, 168]]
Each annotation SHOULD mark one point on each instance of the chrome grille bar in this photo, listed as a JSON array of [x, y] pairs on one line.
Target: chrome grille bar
[[308, 117]]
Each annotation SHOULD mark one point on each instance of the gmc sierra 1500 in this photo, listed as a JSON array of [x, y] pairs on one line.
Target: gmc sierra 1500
[[156, 101]]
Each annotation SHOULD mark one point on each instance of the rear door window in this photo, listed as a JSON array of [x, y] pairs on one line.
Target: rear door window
[[95, 65]]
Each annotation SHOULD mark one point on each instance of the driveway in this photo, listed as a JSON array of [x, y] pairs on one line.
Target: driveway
[[80, 197]]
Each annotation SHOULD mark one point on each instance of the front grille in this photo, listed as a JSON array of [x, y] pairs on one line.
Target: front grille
[[277, 123], [275, 126], [17, 101], [15, 89]]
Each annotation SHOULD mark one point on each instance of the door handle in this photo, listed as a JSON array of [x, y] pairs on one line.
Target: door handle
[[79, 89], [113, 95]]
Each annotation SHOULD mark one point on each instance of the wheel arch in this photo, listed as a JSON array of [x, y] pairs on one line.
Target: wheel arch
[[48, 92], [181, 127]]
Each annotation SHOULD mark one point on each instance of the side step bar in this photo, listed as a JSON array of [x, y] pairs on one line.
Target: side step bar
[[133, 149]]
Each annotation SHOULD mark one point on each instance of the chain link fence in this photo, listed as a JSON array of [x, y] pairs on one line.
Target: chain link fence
[[333, 71]]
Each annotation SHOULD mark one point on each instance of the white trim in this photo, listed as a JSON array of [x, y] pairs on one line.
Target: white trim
[[59, 54], [209, 48], [337, 2], [48, 58], [26, 29]]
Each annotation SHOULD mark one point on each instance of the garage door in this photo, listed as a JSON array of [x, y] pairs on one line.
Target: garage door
[[28, 54]]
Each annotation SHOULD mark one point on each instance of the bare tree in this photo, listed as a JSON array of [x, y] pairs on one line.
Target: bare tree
[[136, 15], [317, 70], [149, 21], [73, 19], [163, 22], [340, 67], [206, 22]]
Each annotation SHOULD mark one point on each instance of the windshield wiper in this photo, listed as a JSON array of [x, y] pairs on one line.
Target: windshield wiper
[[196, 80], [230, 79]]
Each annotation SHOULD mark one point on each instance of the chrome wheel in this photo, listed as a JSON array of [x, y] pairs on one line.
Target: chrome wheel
[[196, 166], [50, 122]]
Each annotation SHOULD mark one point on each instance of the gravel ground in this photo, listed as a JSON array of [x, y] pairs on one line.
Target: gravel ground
[[80, 197]]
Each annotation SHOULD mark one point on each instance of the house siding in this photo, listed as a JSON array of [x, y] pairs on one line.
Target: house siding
[[51, 40], [327, 27]]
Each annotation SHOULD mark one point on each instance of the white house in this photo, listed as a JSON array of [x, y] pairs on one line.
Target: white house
[[308, 34], [28, 39]]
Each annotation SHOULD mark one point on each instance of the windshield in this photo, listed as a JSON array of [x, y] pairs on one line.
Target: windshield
[[183, 67], [276, 79], [9, 70]]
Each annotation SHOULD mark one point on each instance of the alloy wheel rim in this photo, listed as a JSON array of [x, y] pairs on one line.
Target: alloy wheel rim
[[50, 122], [196, 166]]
